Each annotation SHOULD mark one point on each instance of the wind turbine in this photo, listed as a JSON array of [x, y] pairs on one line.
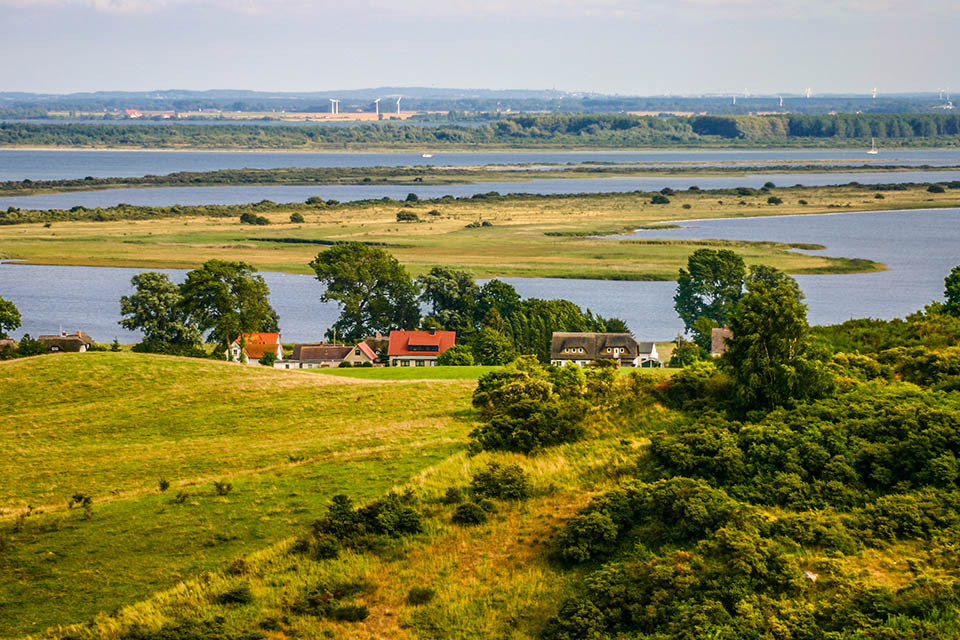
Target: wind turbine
[[734, 98], [398, 104], [808, 92], [334, 106], [874, 93], [781, 100], [377, 103]]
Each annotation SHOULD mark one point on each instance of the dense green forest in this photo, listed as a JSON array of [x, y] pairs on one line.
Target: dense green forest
[[524, 131]]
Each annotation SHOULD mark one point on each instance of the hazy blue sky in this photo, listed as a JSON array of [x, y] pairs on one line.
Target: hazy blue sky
[[639, 47]]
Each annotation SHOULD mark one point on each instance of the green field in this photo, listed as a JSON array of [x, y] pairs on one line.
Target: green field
[[112, 425], [524, 236]]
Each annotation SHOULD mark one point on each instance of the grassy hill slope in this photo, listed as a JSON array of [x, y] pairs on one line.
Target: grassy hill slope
[[112, 425]]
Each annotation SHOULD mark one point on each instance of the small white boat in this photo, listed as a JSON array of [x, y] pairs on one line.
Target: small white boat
[[873, 147], [426, 155]]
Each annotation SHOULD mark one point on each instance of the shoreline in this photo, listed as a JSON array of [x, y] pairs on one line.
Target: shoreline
[[467, 149]]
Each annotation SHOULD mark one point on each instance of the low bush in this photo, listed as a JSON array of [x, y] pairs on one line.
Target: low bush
[[469, 514], [420, 595], [505, 482], [392, 516], [222, 487], [240, 594]]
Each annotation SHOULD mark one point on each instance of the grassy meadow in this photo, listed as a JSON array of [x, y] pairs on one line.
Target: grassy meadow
[[112, 425], [286, 441], [525, 236]]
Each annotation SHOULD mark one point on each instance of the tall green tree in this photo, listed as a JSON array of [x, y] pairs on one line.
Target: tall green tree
[[156, 309], [770, 358], [227, 299], [452, 296], [9, 317], [373, 289], [952, 292], [496, 298], [708, 288]]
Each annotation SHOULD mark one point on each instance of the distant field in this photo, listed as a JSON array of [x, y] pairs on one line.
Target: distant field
[[525, 237], [112, 425]]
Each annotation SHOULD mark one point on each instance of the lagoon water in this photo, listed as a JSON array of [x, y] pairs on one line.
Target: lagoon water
[[168, 196], [918, 247], [17, 164]]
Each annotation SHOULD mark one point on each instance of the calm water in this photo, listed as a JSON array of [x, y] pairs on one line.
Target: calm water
[[919, 248], [53, 164], [168, 196]]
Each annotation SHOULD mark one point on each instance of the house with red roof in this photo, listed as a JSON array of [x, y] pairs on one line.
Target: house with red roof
[[250, 347], [322, 355], [418, 348]]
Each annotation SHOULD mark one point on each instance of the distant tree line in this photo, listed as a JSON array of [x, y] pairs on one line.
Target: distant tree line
[[521, 131]]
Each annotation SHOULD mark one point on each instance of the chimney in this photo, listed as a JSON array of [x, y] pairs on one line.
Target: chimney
[[433, 332]]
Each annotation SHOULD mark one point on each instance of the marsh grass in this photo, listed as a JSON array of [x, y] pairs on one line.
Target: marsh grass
[[517, 244]]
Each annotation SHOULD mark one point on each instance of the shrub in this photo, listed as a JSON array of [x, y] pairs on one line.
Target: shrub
[[506, 482], [163, 484], [345, 364], [769, 185], [407, 216], [434, 212], [222, 487], [412, 197], [667, 191], [84, 501], [802, 202], [458, 355], [936, 188], [659, 198], [268, 359], [774, 200], [391, 516], [469, 514], [296, 217], [524, 411], [240, 594], [420, 595], [879, 196], [252, 218], [453, 495], [350, 613], [182, 496], [687, 206]]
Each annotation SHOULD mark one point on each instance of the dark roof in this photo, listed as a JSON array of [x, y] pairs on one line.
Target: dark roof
[[646, 347], [429, 342], [594, 345], [718, 340], [321, 351], [67, 342]]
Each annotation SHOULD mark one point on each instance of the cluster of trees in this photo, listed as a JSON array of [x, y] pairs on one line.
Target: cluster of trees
[[750, 524], [216, 303], [493, 324], [599, 130]]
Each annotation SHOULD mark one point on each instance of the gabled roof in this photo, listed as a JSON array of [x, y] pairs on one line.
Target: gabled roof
[[368, 350], [321, 351], [402, 341], [257, 344], [594, 345], [646, 348]]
